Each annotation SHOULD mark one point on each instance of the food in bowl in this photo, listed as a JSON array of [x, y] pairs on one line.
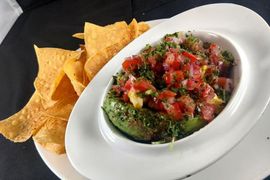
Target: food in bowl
[[170, 89]]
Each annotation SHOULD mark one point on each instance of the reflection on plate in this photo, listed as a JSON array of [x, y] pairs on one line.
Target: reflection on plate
[[94, 158]]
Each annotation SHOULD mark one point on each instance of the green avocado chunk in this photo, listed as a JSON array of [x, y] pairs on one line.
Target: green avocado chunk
[[145, 125]]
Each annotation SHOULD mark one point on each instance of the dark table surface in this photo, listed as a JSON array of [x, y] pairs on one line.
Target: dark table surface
[[51, 23]]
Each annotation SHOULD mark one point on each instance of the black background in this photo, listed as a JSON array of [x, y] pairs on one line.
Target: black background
[[51, 23]]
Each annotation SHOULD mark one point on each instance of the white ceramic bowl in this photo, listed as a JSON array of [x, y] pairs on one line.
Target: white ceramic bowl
[[119, 140]]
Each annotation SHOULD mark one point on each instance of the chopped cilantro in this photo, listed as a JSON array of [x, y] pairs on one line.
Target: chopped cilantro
[[146, 72], [171, 35], [227, 56]]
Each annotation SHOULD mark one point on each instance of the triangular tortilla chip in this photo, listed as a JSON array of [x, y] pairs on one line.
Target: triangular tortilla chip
[[52, 135], [50, 74], [78, 35], [142, 27], [62, 108], [134, 29], [98, 37], [96, 62], [74, 69], [22, 125]]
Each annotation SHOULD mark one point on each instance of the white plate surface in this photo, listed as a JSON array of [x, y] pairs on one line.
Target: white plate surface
[[93, 157]]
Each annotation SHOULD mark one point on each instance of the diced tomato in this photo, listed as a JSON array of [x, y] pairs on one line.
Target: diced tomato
[[168, 39], [166, 94], [152, 60], [171, 61], [207, 112], [172, 39], [174, 110], [116, 89], [131, 63], [214, 54], [188, 105], [214, 59], [186, 69], [207, 92], [193, 84], [195, 71], [210, 70], [174, 50], [203, 61], [156, 105], [225, 83], [168, 78], [174, 78], [178, 76], [143, 85], [125, 97], [190, 56], [175, 65], [128, 85]]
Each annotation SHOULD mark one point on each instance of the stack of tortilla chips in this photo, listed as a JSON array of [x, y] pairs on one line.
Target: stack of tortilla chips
[[62, 76]]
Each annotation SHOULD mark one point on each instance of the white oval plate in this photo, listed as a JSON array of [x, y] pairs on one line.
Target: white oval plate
[[92, 156]]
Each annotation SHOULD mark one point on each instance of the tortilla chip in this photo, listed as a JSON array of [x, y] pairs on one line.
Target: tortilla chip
[[74, 69], [142, 27], [62, 108], [96, 62], [62, 77], [83, 58], [134, 29], [22, 125], [78, 35], [63, 90], [98, 37], [52, 135], [50, 75]]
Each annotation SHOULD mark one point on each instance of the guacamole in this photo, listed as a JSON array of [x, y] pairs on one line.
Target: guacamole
[[170, 90]]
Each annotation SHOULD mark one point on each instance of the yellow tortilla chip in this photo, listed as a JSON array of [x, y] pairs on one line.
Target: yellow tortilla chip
[[50, 74], [64, 89], [74, 69], [62, 108], [52, 135], [134, 29], [62, 77], [22, 125], [98, 37], [78, 35], [142, 26], [83, 59], [96, 62]]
